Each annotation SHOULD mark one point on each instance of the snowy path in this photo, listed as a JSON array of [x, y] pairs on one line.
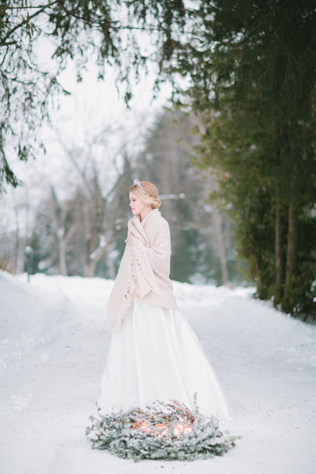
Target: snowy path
[[54, 337]]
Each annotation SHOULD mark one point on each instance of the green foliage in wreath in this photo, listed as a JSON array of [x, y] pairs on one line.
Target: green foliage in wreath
[[162, 431]]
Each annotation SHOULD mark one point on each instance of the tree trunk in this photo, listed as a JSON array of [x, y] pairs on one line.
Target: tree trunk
[[278, 254], [17, 240], [63, 241], [220, 243], [89, 269], [89, 265], [291, 257], [62, 259], [95, 256]]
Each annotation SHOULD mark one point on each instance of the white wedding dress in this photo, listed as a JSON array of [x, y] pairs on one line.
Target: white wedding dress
[[157, 356]]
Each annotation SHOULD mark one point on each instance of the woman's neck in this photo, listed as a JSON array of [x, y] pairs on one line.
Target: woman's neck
[[145, 213]]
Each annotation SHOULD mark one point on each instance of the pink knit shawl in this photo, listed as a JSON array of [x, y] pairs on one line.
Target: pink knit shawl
[[144, 269]]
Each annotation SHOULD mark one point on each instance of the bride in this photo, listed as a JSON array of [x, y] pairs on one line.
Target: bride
[[154, 354]]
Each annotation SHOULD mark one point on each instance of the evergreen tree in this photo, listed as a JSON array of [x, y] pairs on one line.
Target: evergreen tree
[[254, 75]]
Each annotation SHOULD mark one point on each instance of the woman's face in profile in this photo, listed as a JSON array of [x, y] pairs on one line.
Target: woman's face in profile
[[136, 204]]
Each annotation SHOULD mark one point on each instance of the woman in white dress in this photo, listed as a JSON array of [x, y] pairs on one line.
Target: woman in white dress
[[154, 354]]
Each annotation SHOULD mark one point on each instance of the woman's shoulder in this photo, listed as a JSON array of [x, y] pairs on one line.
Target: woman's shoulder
[[159, 226], [164, 222], [156, 219]]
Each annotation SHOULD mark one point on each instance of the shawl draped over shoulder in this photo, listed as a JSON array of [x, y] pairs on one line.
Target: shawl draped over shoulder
[[144, 269]]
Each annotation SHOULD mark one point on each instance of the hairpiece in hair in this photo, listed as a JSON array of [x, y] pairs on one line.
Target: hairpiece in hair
[[137, 183]]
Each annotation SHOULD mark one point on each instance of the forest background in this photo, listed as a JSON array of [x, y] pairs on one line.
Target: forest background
[[79, 228], [243, 88]]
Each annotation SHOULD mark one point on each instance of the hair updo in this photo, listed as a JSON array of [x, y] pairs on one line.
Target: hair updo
[[151, 196]]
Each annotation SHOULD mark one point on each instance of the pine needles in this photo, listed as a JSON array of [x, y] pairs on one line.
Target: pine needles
[[162, 431]]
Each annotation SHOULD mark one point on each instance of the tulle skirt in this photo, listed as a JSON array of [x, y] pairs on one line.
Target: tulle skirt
[[157, 356]]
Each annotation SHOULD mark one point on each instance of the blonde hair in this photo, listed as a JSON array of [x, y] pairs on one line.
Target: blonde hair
[[151, 196]]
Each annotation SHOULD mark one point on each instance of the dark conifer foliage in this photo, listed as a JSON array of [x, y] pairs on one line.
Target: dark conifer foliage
[[254, 75]]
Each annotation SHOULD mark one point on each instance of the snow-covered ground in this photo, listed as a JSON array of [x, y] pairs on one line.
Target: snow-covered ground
[[54, 337]]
